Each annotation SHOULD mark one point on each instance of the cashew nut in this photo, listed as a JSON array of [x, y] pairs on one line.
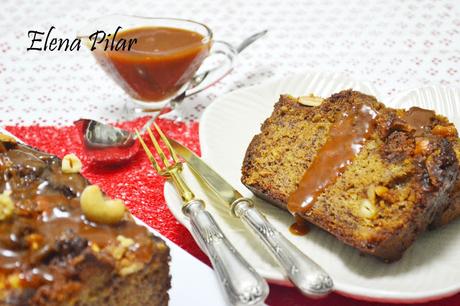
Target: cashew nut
[[310, 100], [71, 164], [6, 205], [367, 209], [97, 209]]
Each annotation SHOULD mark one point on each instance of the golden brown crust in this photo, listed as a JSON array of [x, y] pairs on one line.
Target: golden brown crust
[[416, 169]]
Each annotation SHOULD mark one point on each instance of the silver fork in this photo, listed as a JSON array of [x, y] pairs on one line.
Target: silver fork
[[241, 283]]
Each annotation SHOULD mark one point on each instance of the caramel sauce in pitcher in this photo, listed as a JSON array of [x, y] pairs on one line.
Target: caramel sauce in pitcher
[[160, 62]]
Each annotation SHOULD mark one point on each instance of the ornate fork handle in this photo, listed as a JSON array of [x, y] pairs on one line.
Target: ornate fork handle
[[240, 281], [310, 278]]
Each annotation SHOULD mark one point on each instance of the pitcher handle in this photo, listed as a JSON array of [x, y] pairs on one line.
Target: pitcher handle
[[207, 78]]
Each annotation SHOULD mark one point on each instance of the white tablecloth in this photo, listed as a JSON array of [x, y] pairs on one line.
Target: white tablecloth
[[396, 45]]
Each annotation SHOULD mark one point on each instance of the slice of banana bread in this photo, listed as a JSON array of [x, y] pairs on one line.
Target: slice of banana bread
[[396, 183], [52, 254]]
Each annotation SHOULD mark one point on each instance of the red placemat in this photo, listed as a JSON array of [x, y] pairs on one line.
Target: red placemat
[[142, 190]]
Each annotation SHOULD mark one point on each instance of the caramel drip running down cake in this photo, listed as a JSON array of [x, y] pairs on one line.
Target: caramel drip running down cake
[[62, 242], [372, 176]]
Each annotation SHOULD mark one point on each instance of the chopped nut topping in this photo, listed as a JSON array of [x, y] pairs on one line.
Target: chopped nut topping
[[445, 131], [126, 262], [118, 252], [71, 164], [95, 247], [367, 209], [162, 246], [310, 100], [6, 206], [124, 241], [133, 268], [381, 190], [421, 146]]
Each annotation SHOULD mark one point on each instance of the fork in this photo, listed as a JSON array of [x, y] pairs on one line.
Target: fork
[[241, 283]]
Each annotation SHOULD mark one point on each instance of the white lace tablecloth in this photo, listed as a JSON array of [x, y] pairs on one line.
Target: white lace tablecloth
[[396, 45]]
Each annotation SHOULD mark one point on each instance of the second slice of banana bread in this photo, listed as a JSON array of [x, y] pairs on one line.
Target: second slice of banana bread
[[390, 192]]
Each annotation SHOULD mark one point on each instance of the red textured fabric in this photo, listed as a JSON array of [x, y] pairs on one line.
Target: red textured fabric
[[142, 190]]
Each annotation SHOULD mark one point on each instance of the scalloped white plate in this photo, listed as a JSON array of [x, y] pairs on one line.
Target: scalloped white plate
[[429, 270]]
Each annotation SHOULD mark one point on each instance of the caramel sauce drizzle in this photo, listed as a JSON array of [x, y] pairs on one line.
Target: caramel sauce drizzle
[[299, 227], [346, 139]]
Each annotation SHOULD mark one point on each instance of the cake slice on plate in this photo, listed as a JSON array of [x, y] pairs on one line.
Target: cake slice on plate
[[372, 176], [62, 242]]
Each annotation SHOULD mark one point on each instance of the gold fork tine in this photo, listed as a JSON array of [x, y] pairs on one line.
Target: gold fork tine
[[158, 149], [166, 142], [149, 153]]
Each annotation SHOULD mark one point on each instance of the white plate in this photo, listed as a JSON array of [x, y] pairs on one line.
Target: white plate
[[429, 270], [184, 268]]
